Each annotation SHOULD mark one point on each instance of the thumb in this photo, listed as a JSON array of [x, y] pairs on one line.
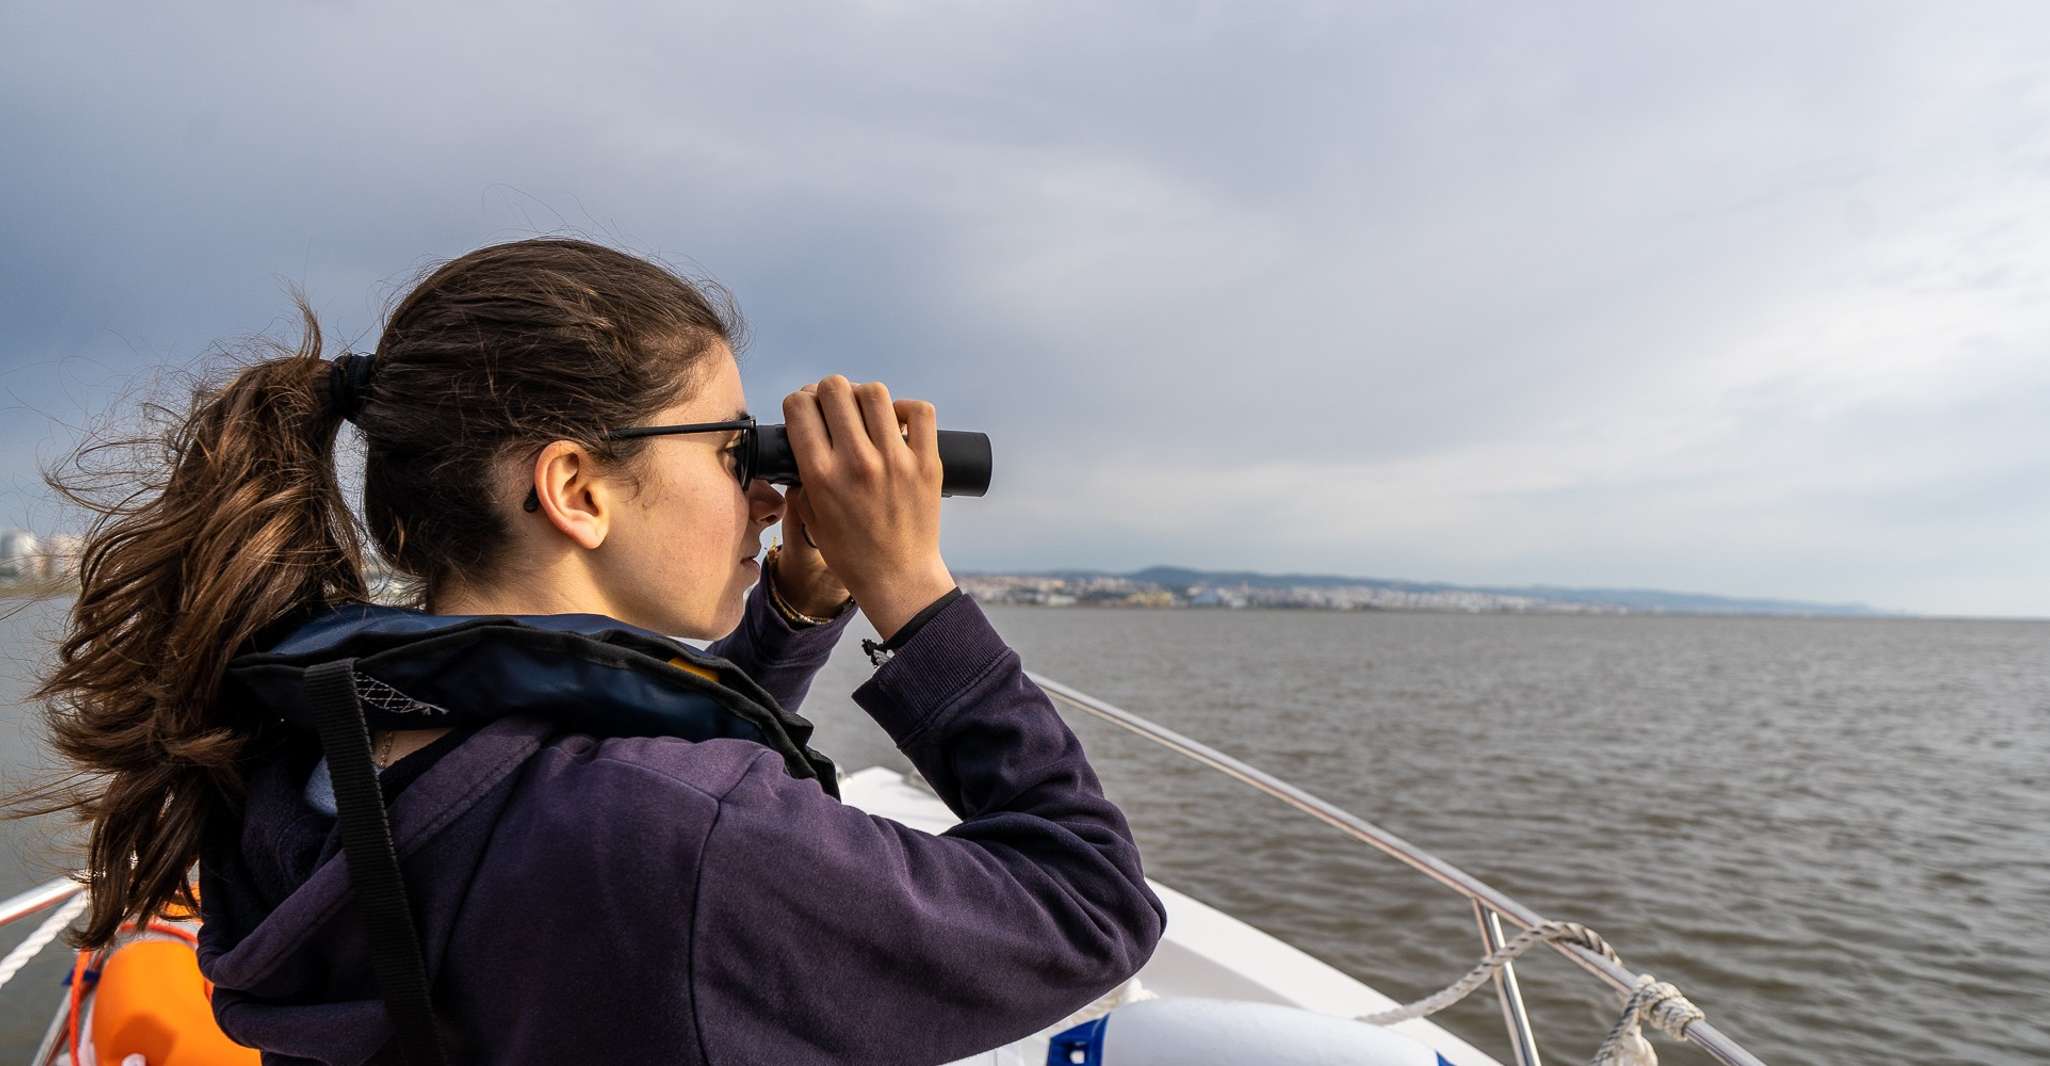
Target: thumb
[[797, 511]]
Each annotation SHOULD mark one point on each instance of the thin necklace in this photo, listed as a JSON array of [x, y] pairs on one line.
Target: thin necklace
[[384, 745]]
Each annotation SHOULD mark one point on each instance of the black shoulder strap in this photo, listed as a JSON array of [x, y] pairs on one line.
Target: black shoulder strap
[[373, 862]]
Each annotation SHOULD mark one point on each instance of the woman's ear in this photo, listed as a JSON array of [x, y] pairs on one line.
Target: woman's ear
[[572, 496]]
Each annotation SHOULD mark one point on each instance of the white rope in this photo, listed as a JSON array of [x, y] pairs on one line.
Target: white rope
[[40, 939], [1548, 932], [1649, 1000]]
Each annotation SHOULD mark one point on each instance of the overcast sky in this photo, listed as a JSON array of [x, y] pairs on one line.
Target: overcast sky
[[1751, 302]]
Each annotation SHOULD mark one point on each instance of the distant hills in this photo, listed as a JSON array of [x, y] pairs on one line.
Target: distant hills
[[1245, 587]]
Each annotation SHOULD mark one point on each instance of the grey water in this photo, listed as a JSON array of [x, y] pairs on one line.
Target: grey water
[[1833, 835]]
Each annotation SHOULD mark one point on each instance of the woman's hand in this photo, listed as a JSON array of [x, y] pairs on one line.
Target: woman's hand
[[802, 577], [871, 496]]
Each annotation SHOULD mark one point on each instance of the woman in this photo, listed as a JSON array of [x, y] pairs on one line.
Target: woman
[[606, 857]]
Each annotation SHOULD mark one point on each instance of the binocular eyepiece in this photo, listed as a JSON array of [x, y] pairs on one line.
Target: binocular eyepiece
[[964, 456]]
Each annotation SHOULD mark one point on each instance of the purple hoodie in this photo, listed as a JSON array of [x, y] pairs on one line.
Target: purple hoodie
[[656, 900]]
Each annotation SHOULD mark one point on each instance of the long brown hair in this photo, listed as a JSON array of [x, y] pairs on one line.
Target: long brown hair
[[234, 518]]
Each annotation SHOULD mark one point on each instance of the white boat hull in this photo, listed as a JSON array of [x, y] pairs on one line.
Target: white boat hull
[[1205, 953]]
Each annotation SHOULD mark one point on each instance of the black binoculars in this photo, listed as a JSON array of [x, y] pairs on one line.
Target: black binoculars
[[964, 458]]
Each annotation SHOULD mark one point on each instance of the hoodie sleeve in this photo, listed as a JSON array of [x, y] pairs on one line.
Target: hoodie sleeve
[[825, 934], [780, 658]]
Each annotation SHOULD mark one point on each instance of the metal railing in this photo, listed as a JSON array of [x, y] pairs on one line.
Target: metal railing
[[1490, 904], [40, 898], [36, 900]]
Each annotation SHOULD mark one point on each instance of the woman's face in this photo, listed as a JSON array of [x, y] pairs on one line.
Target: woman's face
[[681, 555]]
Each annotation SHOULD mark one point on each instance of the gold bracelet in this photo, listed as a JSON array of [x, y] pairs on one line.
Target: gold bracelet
[[791, 614]]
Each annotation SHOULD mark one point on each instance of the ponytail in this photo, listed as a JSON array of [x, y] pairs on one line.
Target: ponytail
[[238, 522]]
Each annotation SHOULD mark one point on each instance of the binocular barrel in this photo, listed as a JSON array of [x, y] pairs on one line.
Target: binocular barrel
[[964, 456]]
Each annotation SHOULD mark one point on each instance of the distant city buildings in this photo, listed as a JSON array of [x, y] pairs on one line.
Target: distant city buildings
[[31, 561], [60, 554], [1113, 591], [18, 554], [27, 557]]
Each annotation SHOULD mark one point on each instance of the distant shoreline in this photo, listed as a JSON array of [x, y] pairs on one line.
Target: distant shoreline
[[1172, 586], [1447, 612], [37, 588]]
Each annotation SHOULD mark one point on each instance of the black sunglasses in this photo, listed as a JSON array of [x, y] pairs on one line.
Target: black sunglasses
[[744, 467]]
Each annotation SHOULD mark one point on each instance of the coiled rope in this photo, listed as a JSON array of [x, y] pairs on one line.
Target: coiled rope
[[40, 939], [1650, 999]]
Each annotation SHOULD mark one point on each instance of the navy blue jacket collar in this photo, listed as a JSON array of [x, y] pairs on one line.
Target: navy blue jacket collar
[[586, 673]]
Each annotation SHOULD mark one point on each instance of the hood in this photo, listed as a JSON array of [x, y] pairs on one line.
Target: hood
[[280, 938], [585, 673]]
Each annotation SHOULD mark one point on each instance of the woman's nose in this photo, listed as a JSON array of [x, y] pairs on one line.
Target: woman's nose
[[765, 502]]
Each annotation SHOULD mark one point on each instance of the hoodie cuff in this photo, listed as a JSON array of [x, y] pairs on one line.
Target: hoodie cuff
[[930, 674]]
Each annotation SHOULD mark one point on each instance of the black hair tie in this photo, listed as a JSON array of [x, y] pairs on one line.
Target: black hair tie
[[348, 384]]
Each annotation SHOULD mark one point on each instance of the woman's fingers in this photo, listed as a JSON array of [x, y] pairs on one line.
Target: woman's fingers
[[835, 417], [922, 423], [799, 515], [883, 429], [806, 426], [844, 422]]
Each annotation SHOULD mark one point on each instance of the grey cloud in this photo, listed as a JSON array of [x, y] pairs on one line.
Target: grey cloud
[[1431, 290]]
